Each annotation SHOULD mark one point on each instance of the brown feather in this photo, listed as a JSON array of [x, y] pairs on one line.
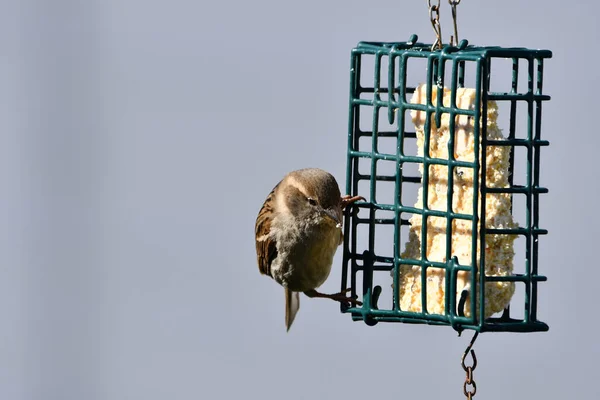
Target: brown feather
[[266, 246]]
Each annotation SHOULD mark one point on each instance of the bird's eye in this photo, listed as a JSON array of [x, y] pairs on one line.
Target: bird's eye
[[312, 201]]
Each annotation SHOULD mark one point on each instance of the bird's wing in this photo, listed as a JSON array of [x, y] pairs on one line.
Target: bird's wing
[[266, 246]]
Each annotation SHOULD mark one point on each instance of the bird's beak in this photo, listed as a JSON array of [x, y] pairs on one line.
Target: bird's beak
[[331, 214]]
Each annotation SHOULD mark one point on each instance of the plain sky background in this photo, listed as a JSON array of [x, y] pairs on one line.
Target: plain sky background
[[139, 140]]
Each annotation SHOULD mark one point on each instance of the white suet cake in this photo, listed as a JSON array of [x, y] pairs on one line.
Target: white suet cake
[[499, 248]]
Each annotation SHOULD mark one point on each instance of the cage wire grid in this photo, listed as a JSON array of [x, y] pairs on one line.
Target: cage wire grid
[[388, 94]]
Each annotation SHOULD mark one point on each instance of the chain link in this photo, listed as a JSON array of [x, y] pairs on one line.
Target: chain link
[[434, 17], [469, 393], [469, 381]]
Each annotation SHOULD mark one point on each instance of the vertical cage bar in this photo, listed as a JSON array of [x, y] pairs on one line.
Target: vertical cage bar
[[391, 87], [511, 136], [483, 188], [529, 186], [431, 79], [449, 290], [351, 170], [354, 266], [439, 66], [480, 65], [461, 74], [368, 263], [512, 124], [536, 183], [399, 178]]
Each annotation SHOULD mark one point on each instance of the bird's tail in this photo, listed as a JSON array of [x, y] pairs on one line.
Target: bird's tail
[[292, 305]]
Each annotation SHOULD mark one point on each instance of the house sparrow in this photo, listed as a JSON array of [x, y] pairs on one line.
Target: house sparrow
[[298, 230]]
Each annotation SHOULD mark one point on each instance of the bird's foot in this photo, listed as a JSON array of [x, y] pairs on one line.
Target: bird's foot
[[341, 296], [348, 199]]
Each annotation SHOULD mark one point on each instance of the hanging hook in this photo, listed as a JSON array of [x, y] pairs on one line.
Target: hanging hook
[[470, 348], [469, 369], [454, 39]]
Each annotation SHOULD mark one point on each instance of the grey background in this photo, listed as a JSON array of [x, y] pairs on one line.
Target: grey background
[[139, 140]]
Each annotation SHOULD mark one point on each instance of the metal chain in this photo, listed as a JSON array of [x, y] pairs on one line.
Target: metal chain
[[454, 39], [434, 16], [469, 381]]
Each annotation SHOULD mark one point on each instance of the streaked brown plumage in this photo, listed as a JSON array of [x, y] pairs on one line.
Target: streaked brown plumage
[[298, 230]]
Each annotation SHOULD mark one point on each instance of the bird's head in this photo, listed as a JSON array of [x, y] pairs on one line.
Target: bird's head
[[313, 195]]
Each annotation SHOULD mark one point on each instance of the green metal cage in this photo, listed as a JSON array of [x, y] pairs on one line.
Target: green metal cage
[[382, 161]]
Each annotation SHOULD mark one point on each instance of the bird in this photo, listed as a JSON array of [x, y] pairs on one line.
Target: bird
[[297, 232]]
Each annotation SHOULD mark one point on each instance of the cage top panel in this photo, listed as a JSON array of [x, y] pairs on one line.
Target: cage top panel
[[462, 50]]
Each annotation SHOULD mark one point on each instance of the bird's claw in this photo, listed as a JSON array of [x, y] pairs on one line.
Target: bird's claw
[[341, 296], [348, 200]]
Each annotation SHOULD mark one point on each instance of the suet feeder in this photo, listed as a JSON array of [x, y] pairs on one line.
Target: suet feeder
[[450, 167]]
